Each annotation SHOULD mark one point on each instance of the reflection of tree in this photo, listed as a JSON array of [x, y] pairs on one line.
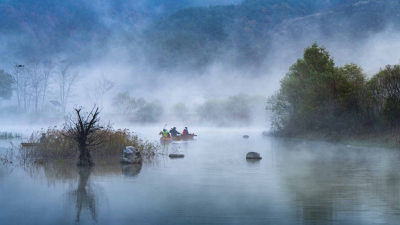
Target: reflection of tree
[[85, 196], [327, 181]]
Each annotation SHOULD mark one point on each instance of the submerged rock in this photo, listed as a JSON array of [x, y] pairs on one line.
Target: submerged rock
[[245, 136], [130, 155], [176, 155], [253, 155]]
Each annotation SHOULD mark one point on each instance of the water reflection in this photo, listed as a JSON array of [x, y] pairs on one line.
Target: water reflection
[[335, 183], [131, 170], [296, 182], [84, 196], [253, 161]]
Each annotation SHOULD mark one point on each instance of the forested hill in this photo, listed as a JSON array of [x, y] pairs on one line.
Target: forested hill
[[183, 34], [35, 28], [244, 34]]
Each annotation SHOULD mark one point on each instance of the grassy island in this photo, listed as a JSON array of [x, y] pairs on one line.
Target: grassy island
[[81, 139]]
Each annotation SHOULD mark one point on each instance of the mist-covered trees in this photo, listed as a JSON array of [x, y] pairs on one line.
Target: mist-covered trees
[[181, 111], [137, 109], [37, 81], [124, 103], [150, 112], [316, 96], [385, 90], [96, 91], [6, 85], [65, 79], [239, 109]]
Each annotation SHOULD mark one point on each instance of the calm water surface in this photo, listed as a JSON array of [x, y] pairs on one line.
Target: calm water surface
[[296, 182]]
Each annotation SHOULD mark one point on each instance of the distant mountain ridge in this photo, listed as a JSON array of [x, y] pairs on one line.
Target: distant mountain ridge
[[243, 35], [32, 28], [173, 35]]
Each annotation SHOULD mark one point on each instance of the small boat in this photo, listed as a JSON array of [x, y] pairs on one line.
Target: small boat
[[166, 139], [29, 144], [184, 137]]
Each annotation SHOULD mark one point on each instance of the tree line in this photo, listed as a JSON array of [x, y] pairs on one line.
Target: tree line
[[31, 82], [318, 97], [34, 82]]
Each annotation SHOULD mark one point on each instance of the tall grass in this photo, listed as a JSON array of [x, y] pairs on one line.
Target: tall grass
[[57, 147]]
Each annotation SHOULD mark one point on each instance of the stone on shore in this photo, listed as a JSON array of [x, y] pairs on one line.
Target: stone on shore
[[253, 155], [130, 156]]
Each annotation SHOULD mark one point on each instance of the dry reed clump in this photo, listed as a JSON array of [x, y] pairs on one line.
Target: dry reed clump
[[58, 147]]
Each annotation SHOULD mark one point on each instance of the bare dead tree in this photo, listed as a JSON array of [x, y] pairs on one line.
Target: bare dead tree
[[84, 128], [66, 80]]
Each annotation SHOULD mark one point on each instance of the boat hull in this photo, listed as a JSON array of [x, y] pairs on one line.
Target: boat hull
[[183, 138], [29, 144], [166, 139]]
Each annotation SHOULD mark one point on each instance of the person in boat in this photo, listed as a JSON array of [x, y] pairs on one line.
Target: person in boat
[[165, 133], [185, 131], [174, 132]]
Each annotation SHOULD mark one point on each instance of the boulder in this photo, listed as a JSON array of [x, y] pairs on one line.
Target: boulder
[[131, 148], [253, 155], [245, 136], [130, 155], [176, 155]]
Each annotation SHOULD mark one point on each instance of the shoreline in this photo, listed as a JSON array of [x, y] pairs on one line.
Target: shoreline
[[389, 141]]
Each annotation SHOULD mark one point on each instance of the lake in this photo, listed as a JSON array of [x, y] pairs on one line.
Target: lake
[[296, 182]]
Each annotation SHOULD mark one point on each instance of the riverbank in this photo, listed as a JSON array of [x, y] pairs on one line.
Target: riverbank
[[389, 140]]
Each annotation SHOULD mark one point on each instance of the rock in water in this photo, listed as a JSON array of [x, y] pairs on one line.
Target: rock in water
[[131, 148], [176, 155], [253, 155], [130, 155], [245, 136]]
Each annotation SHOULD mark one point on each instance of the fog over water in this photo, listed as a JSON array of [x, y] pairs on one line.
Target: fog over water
[[296, 182]]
